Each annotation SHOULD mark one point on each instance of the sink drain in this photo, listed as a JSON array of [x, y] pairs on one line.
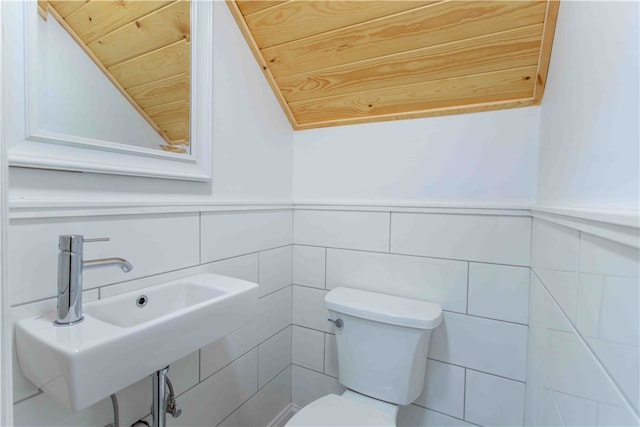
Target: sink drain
[[141, 301]]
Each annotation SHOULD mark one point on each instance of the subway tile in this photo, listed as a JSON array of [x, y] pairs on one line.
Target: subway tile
[[609, 415], [415, 416], [330, 355], [309, 309], [273, 356], [499, 292], [501, 240], [309, 266], [275, 269], [605, 257], [265, 405], [428, 279], [308, 385], [540, 405], [486, 345], [133, 401], [153, 244], [184, 373], [342, 229], [40, 410], [554, 247], [571, 365], [607, 309], [576, 411], [242, 267], [212, 400], [273, 315], [443, 389], [563, 286], [228, 234], [491, 400], [308, 348]]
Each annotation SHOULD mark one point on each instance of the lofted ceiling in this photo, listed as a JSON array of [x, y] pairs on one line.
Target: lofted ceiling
[[143, 47], [335, 62]]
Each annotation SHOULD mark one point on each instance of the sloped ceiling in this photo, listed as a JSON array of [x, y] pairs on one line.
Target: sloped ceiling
[[143, 47], [333, 62]]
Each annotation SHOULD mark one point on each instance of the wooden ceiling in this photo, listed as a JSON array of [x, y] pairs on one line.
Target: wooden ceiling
[[143, 47], [335, 62]]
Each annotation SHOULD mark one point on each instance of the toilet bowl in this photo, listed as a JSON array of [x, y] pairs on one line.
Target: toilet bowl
[[382, 343]]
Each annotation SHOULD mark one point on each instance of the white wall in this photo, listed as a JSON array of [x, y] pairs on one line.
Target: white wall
[[589, 150], [252, 143], [485, 158]]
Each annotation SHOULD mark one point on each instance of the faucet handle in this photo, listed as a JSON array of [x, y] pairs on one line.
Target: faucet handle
[[96, 239]]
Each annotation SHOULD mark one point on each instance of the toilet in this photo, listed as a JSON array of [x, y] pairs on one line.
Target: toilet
[[382, 343]]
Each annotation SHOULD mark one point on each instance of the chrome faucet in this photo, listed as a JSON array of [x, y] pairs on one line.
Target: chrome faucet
[[70, 268]]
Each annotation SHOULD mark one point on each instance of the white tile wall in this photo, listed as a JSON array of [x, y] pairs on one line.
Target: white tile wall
[[274, 314], [153, 244], [444, 389], [232, 371], [308, 385], [274, 355], [503, 240], [330, 355], [428, 279], [499, 292], [228, 234], [485, 322], [483, 344], [367, 231], [584, 328], [492, 400], [275, 269], [309, 266], [212, 400], [309, 309], [265, 405], [412, 415], [308, 348]]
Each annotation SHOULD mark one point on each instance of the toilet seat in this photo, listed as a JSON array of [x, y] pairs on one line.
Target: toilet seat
[[341, 411]]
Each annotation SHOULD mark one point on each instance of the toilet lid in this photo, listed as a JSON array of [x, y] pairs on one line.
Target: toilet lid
[[334, 410]]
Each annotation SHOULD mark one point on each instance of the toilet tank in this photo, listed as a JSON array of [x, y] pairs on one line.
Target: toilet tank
[[382, 343]]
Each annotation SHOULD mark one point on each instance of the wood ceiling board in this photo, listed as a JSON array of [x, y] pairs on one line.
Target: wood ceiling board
[[545, 51], [493, 52], [66, 7], [251, 6], [474, 89], [177, 133], [428, 26], [157, 65], [298, 19], [435, 112], [246, 33], [98, 18], [162, 92], [155, 30], [169, 113]]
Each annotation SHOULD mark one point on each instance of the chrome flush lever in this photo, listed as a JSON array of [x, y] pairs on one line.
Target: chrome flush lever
[[338, 322]]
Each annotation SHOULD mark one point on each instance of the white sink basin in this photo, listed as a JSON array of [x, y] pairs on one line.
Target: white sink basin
[[120, 342]]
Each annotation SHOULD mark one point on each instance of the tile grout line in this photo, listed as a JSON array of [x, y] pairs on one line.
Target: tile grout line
[[464, 396]]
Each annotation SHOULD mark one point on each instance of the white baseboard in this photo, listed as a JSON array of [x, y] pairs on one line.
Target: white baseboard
[[283, 417]]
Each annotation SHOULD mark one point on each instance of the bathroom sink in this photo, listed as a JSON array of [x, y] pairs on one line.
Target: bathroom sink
[[124, 338]]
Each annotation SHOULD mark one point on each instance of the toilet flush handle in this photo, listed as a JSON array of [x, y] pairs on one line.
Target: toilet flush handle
[[338, 322]]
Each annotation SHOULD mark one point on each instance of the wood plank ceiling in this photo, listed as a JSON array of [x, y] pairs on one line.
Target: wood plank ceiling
[[143, 47], [334, 62]]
